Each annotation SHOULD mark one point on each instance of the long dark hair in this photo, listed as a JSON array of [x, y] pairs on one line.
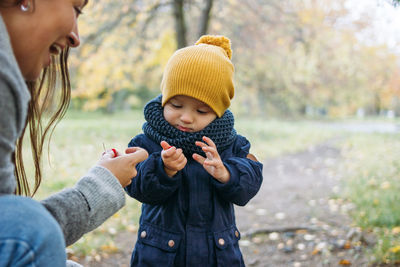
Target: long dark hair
[[43, 96]]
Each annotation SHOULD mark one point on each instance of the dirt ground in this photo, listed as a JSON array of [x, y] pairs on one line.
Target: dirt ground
[[293, 221]]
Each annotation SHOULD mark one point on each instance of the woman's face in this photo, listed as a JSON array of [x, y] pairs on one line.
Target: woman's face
[[43, 30]]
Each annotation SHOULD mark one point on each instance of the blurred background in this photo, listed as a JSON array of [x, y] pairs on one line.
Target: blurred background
[[306, 72], [293, 58]]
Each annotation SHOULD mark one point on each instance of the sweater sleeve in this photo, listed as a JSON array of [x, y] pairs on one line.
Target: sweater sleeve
[[14, 98], [8, 137], [246, 176], [152, 185], [82, 208]]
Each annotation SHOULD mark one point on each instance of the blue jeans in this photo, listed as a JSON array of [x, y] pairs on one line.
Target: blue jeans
[[29, 235]]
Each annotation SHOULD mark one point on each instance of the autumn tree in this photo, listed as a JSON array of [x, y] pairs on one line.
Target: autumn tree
[[291, 57]]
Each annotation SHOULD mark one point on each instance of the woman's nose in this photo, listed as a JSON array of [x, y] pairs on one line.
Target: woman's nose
[[73, 37]]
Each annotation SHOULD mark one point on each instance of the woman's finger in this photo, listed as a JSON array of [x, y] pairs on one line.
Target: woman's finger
[[132, 149], [137, 156], [109, 154]]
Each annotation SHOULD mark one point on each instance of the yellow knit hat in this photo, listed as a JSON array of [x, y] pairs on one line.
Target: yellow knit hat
[[203, 71]]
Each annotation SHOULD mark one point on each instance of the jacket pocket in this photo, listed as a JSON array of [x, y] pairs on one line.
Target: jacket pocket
[[227, 247], [155, 247]]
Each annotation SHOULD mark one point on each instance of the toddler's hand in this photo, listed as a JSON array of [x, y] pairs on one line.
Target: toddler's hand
[[173, 158], [213, 163]]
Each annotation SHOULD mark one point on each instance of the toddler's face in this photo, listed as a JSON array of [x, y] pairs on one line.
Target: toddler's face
[[188, 114]]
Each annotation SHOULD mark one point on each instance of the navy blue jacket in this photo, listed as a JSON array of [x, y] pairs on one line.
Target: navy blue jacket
[[189, 219]]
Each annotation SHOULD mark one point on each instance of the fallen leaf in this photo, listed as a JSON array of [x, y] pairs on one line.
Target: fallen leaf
[[344, 262], [347, 245], [301, 231], [315, 252]]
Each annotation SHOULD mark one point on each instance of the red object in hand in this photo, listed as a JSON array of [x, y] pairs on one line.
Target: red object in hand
[[115, 152]]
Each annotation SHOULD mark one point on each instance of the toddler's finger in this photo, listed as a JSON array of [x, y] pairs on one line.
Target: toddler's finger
[[198, 158], [200, 144], [165, 145], [209, 141], [181, 157], [170, 151]]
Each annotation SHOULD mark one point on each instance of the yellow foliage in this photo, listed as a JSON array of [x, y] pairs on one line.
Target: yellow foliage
[[395, 249], [385, 185], [396, 230]]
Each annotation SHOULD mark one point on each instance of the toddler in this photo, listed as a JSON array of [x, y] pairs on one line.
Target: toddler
[[198, 166]]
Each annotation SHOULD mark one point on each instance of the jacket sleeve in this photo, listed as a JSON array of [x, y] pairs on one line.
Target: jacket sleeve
[[152, 185], [82, 208], [246, 176]]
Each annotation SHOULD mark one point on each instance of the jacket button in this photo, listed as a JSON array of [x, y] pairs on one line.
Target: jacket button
[[171, 243], [221, 241], [236, 233], [143, 234]]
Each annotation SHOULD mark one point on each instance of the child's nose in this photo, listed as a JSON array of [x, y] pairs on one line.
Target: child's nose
[[186, 117]]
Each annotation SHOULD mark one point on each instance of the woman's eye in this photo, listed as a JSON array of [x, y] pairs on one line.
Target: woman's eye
[[78, 11]]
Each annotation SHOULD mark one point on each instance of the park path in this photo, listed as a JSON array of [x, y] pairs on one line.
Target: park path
[[293, 220]]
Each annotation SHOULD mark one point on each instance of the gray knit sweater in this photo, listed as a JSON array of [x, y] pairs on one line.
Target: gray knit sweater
[[79, 209]]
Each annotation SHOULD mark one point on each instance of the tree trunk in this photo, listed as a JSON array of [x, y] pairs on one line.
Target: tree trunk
[[180, 25], [205, 17]]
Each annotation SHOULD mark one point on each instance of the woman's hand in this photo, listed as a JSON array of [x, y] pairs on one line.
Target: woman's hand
[[213, 163], [173, 158], [123, 166]]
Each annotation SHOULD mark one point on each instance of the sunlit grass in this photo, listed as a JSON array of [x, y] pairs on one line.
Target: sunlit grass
[[271, 138], [373, 185]]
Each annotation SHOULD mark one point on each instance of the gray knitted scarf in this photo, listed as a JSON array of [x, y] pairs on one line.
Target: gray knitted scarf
[[220, 130]]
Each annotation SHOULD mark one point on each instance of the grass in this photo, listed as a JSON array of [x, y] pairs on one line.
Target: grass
[[371, 164]]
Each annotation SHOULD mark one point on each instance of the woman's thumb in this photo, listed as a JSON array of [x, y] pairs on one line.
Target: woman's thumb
[[136, 156]]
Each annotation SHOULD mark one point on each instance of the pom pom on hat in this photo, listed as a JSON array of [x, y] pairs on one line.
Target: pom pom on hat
[[217, 40], [203, 71]]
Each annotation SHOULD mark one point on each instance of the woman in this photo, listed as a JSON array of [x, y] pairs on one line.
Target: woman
[[35, 36]]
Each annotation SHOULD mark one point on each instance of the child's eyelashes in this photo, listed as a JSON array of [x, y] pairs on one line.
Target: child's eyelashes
[[202, 111], [176, 105]]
